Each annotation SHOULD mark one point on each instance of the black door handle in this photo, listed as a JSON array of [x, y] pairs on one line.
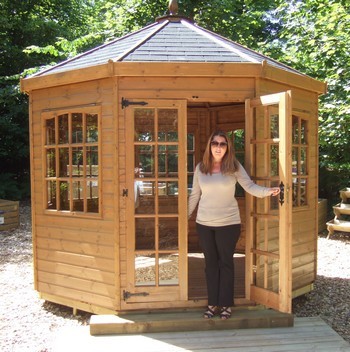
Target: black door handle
[[281, 193]]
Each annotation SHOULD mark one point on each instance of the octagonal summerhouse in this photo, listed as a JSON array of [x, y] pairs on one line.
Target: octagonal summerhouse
[[115, 134]]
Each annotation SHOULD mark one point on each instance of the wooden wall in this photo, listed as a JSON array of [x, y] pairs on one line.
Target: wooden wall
[[74, 256], [81, 261]]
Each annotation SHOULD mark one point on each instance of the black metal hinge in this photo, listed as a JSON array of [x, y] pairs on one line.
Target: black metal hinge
[[125, 192], [127, 294], [126, 103]]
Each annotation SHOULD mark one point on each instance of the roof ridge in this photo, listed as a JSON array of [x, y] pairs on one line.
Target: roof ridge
[[219, 40], [158, 27]]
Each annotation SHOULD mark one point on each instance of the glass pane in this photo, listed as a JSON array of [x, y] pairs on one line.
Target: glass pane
[[144, 125], [63, 129], [144, 197], [168, 233], [50, 163], [145, 270], [77, 128], [190, 163], [145, 233], [274, 160], [64, 195], [303, 132], [168, 125], [77, 161], [168, 199], [303, 191], [274, 123], [63, 162], [78, 196], [267, 272], [295, 130], [303, 161], [295, 164], [50, 131], [92, 196], [144, 158], [167, 160], [91, 161], [51, 195], [190, 142], [168, 269], [91, 128]]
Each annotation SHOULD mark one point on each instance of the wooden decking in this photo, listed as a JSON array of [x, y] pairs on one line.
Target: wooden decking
[[307, 334]]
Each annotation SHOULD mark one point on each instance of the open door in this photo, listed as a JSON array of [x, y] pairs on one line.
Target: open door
[[269, 220], [156, 198]]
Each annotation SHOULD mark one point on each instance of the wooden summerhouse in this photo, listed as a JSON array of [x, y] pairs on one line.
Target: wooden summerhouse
[[115, 134]]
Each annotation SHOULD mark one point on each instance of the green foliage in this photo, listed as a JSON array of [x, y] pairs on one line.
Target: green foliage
[[310, 35], [314, 37]]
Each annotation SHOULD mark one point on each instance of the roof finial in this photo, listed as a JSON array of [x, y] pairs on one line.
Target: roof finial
[[173, 7]]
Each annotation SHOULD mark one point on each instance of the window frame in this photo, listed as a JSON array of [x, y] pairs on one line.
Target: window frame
[[84, 144]]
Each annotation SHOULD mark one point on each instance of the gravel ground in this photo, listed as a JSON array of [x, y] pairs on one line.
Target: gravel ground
[[30, 324]]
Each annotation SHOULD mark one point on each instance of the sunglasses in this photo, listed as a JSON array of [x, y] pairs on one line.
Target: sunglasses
[[218, 144]]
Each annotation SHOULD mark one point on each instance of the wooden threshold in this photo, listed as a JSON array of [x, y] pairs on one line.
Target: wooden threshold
[[242, 318]]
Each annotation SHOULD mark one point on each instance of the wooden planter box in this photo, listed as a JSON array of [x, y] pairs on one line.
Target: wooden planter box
[[9, 214]]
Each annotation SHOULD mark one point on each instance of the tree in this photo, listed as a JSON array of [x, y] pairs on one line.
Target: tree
[[314, 37]]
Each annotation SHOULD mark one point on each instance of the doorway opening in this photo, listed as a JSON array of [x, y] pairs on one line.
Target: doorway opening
[[202, 119]]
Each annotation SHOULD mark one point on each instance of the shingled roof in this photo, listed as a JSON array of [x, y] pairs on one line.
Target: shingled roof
[[170, 39]]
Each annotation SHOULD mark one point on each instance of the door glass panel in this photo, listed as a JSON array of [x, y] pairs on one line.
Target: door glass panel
[[295, 158], [266, 273], [145, 234], [144, 125], [303, 132], [274, 160], [144, 160], [145, 270], [168, 199], [167, 125], [168, 233], [303, 160], [274, 122], [167, 160], [168, 269], [144, 197], [295, 130]]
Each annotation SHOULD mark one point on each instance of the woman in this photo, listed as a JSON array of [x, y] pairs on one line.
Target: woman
[[218, 221]]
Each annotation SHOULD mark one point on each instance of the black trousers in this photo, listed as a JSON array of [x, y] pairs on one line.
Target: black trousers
[[218, 245]]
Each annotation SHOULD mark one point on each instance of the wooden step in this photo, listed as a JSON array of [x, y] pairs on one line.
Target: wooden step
[[242, 318]]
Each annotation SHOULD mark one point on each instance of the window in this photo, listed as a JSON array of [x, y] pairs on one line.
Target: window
[[72, 161], [299, 161]]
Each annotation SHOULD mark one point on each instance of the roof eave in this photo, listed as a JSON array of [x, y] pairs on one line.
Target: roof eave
[[172, 69]]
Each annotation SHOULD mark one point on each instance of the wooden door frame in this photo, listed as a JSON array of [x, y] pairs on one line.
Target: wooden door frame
[[170, 294], [282, 300]]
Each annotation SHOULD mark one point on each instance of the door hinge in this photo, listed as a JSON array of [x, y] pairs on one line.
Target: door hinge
[[127, 294], [126, 103], [125, 192]]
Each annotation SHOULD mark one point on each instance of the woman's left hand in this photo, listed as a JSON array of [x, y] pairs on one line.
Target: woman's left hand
[[274, 191]]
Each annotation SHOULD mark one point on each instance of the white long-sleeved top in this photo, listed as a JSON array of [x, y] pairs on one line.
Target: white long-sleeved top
[[216, 196]]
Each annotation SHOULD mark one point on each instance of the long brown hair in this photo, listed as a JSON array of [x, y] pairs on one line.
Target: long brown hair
[[229, 164]]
